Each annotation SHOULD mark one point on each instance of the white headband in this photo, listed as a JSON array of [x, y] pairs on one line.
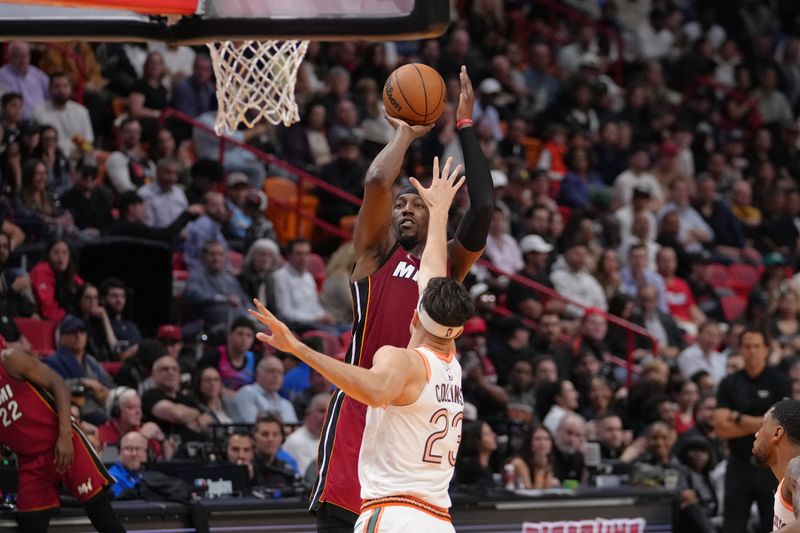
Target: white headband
[[433, 327]]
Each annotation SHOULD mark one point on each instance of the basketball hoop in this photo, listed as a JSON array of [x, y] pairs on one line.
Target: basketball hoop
[[255, 81], [255, 77]]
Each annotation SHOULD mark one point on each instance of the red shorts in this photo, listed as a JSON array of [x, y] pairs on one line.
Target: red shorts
[[38, 478]]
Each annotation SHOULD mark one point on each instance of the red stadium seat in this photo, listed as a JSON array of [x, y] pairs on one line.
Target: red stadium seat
[[112, 367], [733, 306], [282, 194], [564, 210], [330, 341], [177, 261], [742, 278], [40, 333], [316, 265], [345, 338], [235, 259], [718, 275]]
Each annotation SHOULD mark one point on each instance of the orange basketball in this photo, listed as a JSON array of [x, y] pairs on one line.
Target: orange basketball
[[415, 93]]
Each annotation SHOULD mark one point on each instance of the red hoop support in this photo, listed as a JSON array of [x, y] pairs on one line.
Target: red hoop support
[[145, 7]]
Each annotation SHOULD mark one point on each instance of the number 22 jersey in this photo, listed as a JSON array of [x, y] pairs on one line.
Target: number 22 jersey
[[411, 449], [28, 424]]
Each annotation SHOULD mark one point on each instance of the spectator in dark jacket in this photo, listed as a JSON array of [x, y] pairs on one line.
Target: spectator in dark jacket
[[345, 172], [196, 94], [729, 237], [659, 324], [213, 291], [131, 221], [268, 469], [114, 296], [80, 370], [88, 201], [262, 259]]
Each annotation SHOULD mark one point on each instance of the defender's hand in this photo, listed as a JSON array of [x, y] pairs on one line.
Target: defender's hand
[[466, 99], [64, 452], [443, 187], [282, 338]]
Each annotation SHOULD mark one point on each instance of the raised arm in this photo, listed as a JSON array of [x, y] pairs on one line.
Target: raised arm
[[372, 237], [15, 233], [391, 371], [437, 198], [471, 234], [23, 366]]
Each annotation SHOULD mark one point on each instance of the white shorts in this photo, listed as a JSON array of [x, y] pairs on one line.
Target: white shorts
[[400, 519]]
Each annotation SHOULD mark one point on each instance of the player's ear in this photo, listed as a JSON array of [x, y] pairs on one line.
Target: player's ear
[[779, 431]]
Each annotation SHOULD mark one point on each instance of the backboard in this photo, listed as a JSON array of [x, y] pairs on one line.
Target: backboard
[[201, 21]]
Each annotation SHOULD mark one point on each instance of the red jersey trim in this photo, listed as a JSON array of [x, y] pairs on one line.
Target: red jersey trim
[[427, 366], [342, 507], [38, 509], [446, 358], [788, 506], [407, 501]]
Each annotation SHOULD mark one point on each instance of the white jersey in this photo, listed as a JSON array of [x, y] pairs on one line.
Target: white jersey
[[411, 450], [782, 511]]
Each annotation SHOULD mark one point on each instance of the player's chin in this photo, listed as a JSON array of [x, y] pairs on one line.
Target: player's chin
[[408, 238]]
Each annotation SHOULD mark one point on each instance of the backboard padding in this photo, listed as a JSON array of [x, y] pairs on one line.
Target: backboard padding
[[322, 20]]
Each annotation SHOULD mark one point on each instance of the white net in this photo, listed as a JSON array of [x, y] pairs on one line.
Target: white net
[[255, 81]]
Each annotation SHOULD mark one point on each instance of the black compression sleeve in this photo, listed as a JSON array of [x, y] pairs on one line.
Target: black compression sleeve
[[474, 227]]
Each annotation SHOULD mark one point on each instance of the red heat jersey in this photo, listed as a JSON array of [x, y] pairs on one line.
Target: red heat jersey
[[383, 304], [28, 420], [29, 426]]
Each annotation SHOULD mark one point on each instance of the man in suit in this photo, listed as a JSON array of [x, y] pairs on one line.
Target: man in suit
[[661, 325]]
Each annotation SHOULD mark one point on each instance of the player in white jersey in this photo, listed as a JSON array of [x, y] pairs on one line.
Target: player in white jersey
[[777, 443], [413, 394]]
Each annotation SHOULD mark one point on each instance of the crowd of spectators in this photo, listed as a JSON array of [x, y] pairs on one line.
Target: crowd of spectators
[[643, 153]]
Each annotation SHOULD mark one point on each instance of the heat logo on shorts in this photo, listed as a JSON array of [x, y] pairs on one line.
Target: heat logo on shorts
[[85, 487]]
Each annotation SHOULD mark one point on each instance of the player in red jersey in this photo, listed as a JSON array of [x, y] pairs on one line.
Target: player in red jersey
[[35, 423], [389, 238]]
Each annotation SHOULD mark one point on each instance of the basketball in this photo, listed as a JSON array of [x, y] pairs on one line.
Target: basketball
[[415, 93]]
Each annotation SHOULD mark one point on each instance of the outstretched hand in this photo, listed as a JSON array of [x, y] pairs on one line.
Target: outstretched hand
[[466, 99], [399, 124], [443, 187], [282, 338]]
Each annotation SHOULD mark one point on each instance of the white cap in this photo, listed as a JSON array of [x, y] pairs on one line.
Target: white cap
[[478, 289], [236, 178], [499, 178], [490, 86], [534, 243], [590, 59]]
